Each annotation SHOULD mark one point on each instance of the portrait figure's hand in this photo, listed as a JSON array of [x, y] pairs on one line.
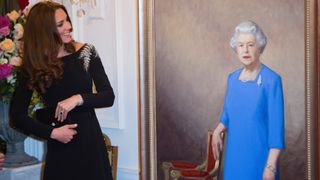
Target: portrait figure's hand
[[217, 143], [65, 106], [268, 174], [64, 133]]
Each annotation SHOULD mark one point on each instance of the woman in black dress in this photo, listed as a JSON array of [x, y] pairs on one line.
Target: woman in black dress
[[62, 71]]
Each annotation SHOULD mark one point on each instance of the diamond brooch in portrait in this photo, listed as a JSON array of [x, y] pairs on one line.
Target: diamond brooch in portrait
[[259, 81]]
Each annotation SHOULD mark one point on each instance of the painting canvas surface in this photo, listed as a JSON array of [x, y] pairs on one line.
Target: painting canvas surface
[[192, 62]]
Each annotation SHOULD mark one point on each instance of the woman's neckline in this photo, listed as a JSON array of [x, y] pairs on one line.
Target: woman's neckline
[[253, 80], [71, 54]]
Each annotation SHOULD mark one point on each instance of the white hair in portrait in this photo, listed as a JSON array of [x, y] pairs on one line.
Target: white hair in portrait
[[252, 28]]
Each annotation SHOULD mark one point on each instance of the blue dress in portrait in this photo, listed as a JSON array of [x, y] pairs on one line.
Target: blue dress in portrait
[[253, 114]]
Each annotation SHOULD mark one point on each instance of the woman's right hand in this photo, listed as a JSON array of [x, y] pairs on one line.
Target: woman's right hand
[[64, 133], [217, 140]]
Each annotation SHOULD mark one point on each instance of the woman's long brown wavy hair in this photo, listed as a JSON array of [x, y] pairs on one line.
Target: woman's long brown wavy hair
[[42, 42]]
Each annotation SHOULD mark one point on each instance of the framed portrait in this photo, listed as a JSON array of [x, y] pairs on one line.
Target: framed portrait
[[185, 60]]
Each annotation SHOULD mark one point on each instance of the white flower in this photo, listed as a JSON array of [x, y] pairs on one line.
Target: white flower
[[18, 31], [10, 78], [19, 45], [3, 61]]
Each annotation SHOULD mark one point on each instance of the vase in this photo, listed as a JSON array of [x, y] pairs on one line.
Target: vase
[[15, 155]]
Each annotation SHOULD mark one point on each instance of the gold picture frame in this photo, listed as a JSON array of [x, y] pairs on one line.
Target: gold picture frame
[[148, 147]]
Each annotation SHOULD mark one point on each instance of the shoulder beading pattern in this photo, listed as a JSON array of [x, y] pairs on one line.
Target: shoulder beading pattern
[[88, 52]]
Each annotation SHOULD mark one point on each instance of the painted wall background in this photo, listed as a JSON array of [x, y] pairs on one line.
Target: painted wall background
[[193, 59]]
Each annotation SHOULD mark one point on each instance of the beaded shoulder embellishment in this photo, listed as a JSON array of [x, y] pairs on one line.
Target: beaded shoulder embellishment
[[88, 52]]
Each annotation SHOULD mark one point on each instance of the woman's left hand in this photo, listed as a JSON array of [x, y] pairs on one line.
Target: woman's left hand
[[65, 106], [268, 175]]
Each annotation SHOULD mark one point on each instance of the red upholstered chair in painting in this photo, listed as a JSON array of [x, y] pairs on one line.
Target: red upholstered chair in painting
[[208, 170]]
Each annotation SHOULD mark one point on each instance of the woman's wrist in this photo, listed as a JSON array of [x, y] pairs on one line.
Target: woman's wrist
[[53, 134], [80, 100]]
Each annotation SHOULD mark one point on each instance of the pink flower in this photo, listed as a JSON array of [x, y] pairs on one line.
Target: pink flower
[[4, 22], [5, 31], [5, 70], [15, 61]]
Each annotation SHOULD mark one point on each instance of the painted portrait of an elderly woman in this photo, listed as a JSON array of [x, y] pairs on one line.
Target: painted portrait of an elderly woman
[[236, 67], [253, 112]]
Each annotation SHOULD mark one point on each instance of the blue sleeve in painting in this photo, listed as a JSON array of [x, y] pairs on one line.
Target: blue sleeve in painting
[[275, 114], [224, 119]]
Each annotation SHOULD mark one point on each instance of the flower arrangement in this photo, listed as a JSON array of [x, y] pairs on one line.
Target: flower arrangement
[[11, 52], [11, 32]]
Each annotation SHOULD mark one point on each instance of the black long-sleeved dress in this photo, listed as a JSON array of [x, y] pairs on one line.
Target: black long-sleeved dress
[[84, 157]]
